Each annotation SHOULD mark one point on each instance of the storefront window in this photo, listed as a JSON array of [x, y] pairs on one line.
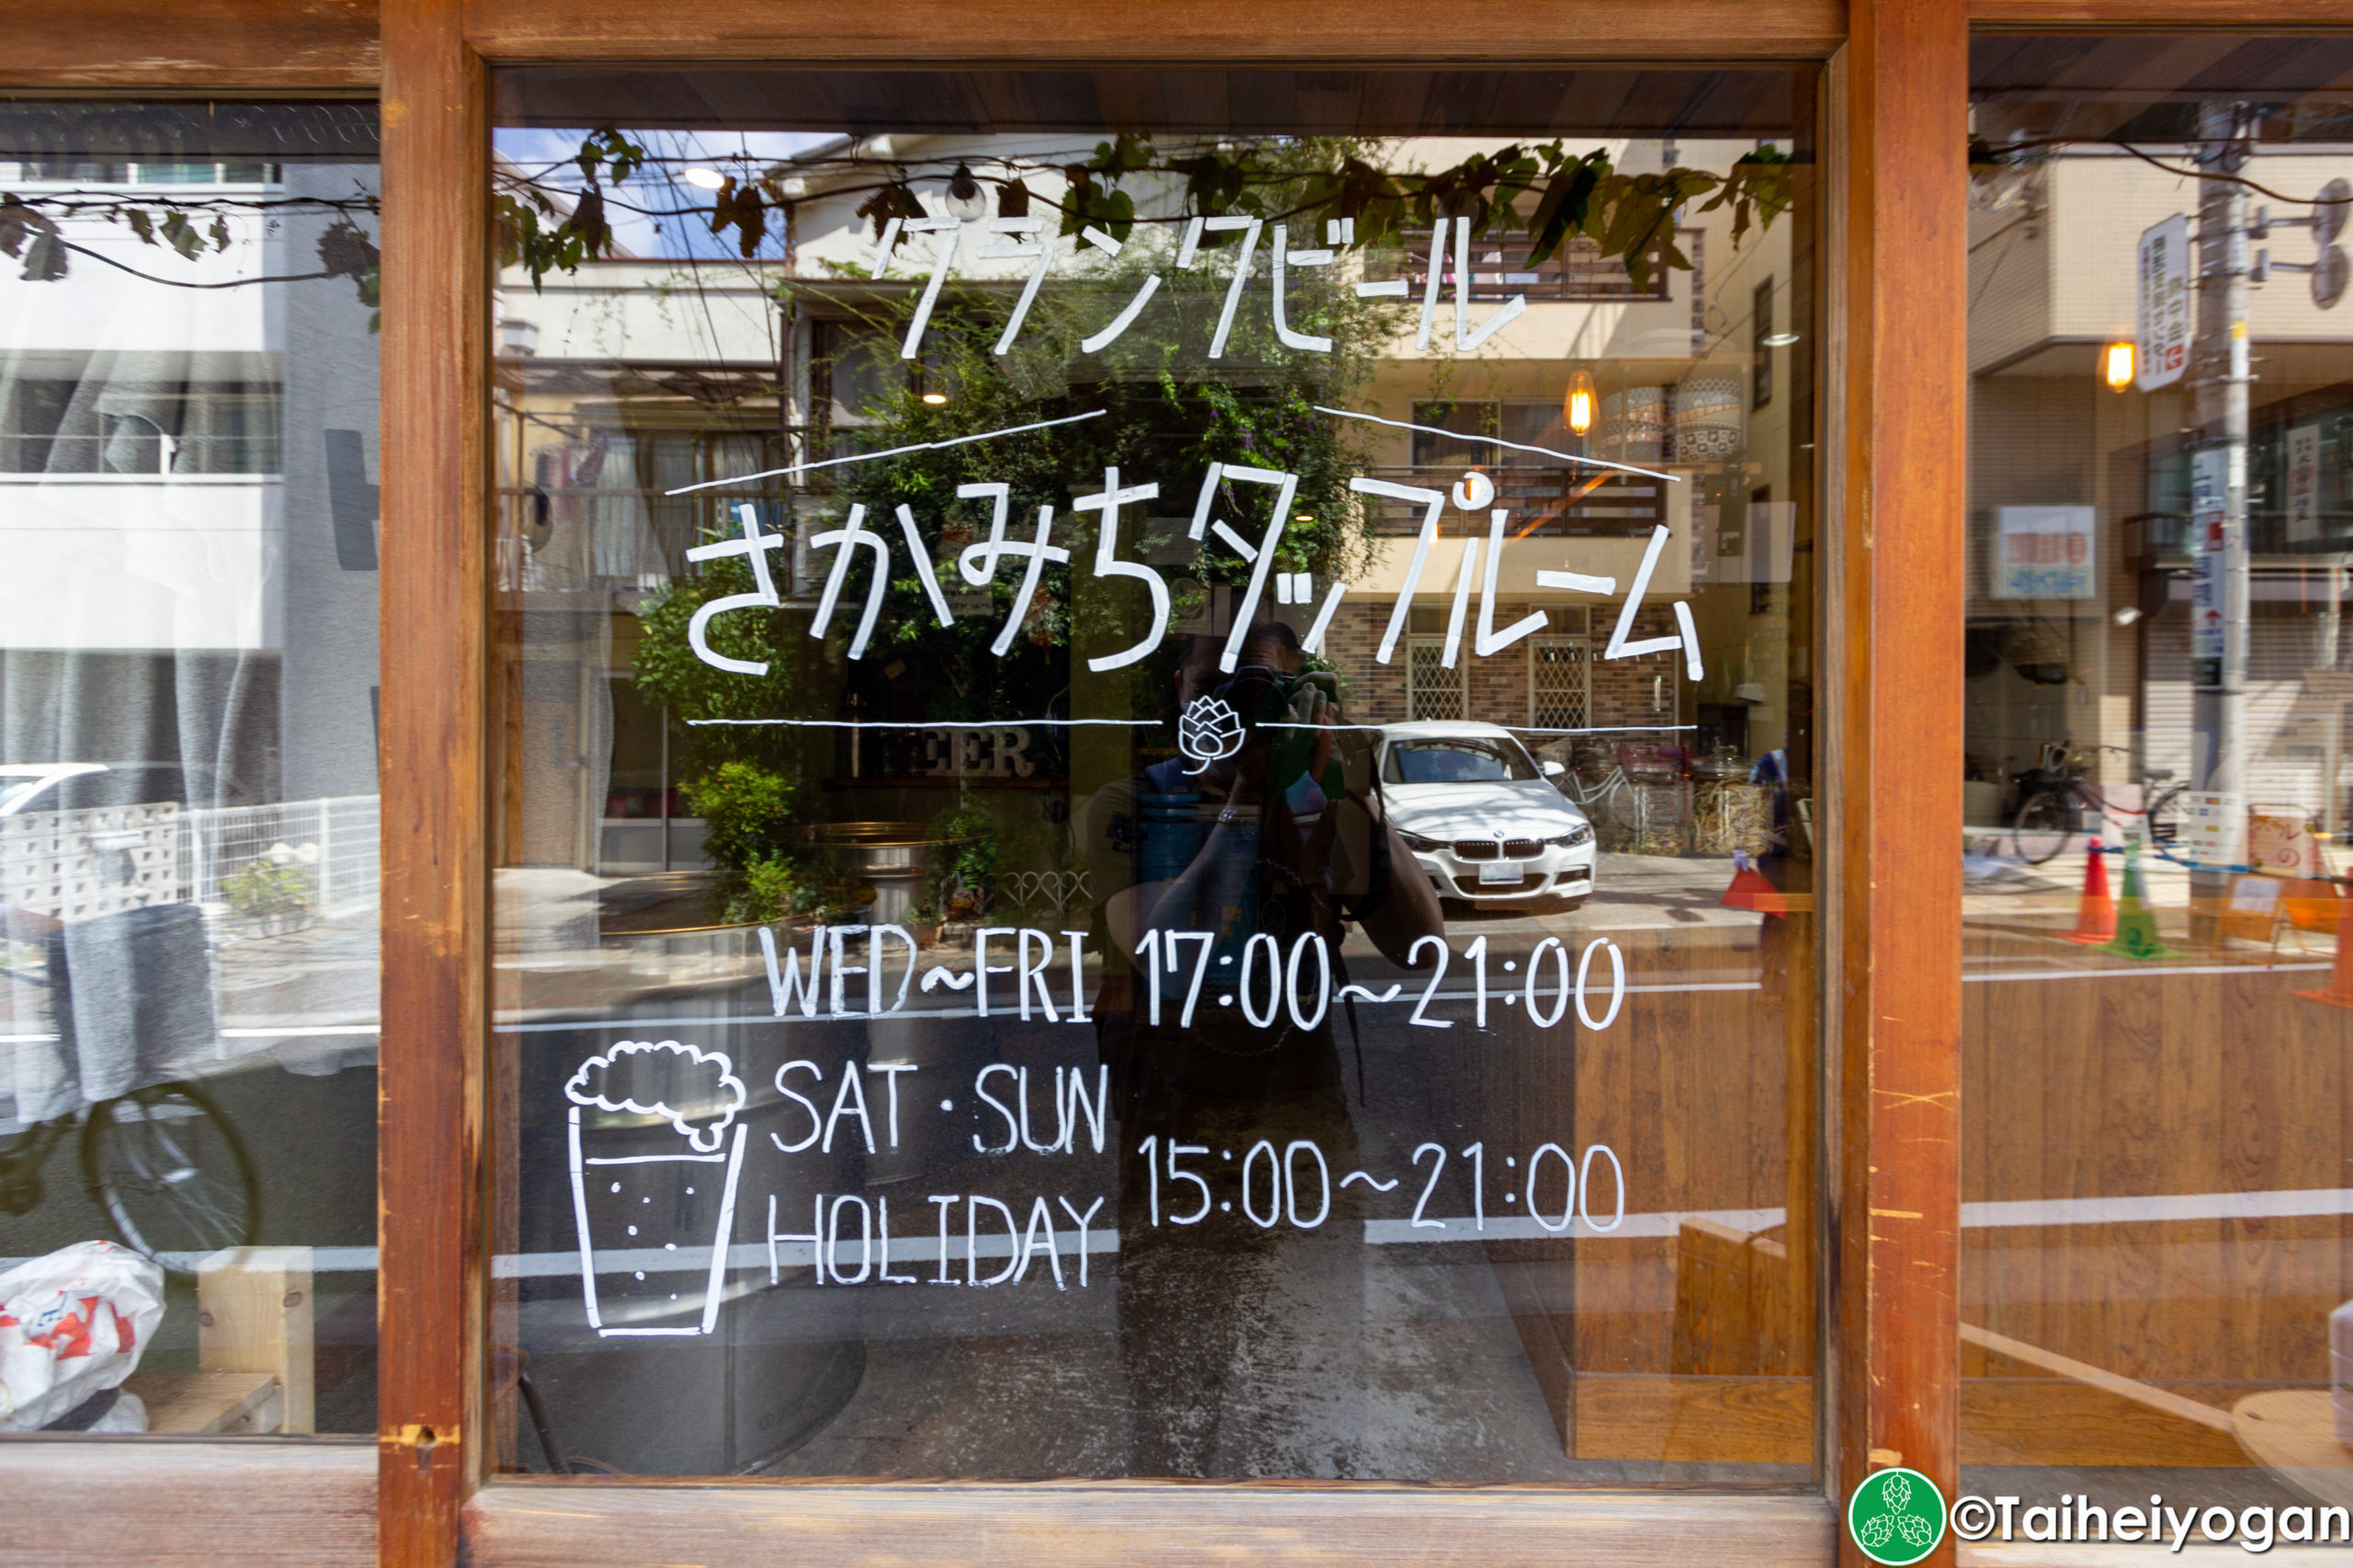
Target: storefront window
[[1155, 772], [2158, 959], [188, 766]]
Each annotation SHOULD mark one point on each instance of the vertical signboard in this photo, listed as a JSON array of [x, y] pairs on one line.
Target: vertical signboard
[[2161, 274], [2208, 488], [2303, 482]]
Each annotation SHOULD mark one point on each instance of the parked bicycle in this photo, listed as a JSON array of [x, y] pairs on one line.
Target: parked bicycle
[[2058, 806], [1638, 801], [166, 1166], [163, 1163]]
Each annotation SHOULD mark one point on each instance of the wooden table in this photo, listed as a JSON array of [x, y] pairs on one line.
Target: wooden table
[[2292, 1434]]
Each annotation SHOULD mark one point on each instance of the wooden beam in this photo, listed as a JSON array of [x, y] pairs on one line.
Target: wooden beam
[[1226, 32], [1898, 216], [73, 1502], [559, 1524], [436, 911], [245, 46]]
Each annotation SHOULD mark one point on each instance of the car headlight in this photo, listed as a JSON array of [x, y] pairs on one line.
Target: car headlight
[[1576, 836], [1426, 845]]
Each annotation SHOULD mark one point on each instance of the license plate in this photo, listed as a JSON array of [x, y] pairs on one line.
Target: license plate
[[1500, 871]]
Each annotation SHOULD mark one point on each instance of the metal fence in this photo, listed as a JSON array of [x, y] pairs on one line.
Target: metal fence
[[331, 843], [307, 857]]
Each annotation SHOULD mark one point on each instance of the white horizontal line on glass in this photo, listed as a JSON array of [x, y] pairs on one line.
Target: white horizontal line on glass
[[1469, 440], [2013, 1214], [936, 723], [892, 453]]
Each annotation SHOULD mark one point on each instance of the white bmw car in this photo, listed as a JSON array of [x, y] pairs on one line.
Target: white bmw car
[[1482, 816]]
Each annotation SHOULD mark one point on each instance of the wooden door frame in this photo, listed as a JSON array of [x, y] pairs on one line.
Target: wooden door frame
[[1903, 189], [1891, 466]]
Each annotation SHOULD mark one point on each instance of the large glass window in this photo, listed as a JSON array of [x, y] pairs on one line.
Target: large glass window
[[2157, 964], [188, 766], [1156, 775]]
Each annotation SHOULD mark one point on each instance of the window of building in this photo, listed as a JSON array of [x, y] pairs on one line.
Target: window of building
[[1018, 580], [1560, 683], [1432, 690], [190, 814], [2156, 954]]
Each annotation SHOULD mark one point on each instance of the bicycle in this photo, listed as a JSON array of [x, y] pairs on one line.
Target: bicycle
[[169, 1171], [166, 1166], [2054, 797], [1624, 807]]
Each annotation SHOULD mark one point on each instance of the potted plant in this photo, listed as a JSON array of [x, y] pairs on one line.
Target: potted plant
[[274, 893], [963, 872]]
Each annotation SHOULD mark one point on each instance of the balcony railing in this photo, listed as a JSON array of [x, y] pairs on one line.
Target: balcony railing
[[1543, 502], [1577, 270]]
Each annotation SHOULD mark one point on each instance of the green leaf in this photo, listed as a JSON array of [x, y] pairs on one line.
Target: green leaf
[[181, 234], [1567, 199]]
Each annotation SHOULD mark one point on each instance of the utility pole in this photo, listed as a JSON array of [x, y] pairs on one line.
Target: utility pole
[[2219, 598]]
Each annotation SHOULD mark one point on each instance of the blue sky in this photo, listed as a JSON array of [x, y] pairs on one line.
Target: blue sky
[[550, 153]]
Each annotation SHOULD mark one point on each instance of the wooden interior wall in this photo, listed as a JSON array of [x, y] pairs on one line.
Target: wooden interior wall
[[2138, 1086], [1693, 1091]]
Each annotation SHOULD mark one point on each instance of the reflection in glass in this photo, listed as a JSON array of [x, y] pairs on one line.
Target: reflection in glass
[[2154, 1218], [1118, 814], [188, 767]]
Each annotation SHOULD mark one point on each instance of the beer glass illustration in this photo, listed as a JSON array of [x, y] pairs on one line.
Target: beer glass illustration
[[647, 1181]]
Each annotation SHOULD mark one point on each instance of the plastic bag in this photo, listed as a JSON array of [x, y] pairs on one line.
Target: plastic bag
[[73, 1324]]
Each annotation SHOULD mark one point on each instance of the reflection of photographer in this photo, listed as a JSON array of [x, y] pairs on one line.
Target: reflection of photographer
[[1281, 835], [1277, 831]]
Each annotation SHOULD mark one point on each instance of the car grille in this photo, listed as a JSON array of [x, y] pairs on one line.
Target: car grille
[[1497, 849]]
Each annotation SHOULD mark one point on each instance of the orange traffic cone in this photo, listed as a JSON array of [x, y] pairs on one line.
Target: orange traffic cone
[[2340, 976], [1747, 883], [2096, 913]]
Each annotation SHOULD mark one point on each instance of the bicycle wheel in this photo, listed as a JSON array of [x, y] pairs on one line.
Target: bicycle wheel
[[2044, 826], [172, 1174], [2166, 815]]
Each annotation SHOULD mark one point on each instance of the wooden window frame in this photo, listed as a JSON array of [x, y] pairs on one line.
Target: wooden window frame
[[1890, 465]]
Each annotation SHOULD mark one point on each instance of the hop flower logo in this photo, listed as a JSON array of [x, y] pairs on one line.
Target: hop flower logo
[[1897, 1516], [1207, 730]]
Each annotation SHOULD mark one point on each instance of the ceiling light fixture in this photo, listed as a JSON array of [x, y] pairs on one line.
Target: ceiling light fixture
[[1576, 408], [703, 178]]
